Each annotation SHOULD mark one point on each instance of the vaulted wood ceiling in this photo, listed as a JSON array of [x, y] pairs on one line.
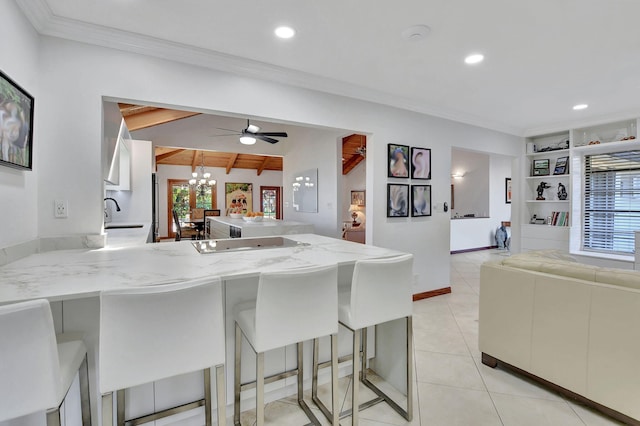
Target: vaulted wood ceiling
[[351, 145], [141, 116], [226, 160]]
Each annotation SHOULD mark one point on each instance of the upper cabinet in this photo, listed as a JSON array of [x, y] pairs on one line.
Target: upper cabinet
[[116, 157], [124, 169]]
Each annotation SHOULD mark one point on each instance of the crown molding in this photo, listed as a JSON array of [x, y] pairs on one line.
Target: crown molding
[[47, 23]]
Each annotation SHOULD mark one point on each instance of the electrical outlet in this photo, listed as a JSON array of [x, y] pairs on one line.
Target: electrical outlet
[[61, 208]]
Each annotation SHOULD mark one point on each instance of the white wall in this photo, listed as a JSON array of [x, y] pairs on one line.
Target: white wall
[[356, 180], [319, 149], [135, 204], [477, 233], [65, 88], [18, 188], [165, 172], [471, 192]]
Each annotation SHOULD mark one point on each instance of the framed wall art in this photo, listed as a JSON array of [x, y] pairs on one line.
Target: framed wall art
[[541, 167], [420, 200], [238, 197], [562, 166], [507, 190], [16, 125], [397, 200], [358, 198], [420, 163], [397, 161]]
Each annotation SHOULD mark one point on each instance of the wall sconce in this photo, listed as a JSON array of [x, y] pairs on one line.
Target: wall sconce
[[458, 175]]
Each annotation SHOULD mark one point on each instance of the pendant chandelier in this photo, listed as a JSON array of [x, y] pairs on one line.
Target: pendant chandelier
[[201, 180]]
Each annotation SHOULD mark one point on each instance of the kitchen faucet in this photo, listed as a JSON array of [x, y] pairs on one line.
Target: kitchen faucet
[[107, 218]]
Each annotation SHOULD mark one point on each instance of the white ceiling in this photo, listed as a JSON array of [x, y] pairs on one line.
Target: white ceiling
[[542, 57]]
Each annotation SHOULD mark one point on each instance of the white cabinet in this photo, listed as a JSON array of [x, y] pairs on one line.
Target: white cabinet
[[124, 181]]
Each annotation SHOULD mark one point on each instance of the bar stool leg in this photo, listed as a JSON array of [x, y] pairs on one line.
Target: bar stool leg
[[107, 409], [409, 368], [120, 407], [85, 397], [260, 389], [207, 396], [237, 373], [335, 409], [355, 382], [221, 392]]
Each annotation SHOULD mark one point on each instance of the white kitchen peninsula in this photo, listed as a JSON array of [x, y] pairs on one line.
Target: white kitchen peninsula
[[73, 279], [226, 227]]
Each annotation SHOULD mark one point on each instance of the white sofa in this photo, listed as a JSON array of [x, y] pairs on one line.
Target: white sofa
[[576, 326]]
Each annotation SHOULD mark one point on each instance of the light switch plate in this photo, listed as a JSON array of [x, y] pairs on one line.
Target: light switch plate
[[61, 208]]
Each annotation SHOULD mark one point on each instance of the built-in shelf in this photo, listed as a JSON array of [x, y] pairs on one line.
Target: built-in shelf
[[548, 201], [547, 153], [544, 225], [548, 177], [608, 147]]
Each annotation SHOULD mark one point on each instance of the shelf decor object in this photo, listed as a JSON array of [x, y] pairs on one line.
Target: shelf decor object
[[562, 166], [397, 161], [397, 200], [541, 167], [507, 190], [16, 117], [420, 163], [420, 200]]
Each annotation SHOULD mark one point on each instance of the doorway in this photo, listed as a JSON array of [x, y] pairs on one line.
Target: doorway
[[183, 198], [271, 202]]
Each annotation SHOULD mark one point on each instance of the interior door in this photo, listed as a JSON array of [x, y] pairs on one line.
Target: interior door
[[271, 202]]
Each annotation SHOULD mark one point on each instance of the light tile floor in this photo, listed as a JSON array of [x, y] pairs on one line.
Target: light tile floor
[[453, 387]]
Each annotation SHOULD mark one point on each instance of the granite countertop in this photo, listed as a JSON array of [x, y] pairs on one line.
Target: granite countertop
[[71, 274], [241, 223]]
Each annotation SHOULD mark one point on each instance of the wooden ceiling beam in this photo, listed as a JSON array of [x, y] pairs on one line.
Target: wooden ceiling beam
[[348, 165], [194, 161], [231, 162], [265, 160], [142, 120], [169, 154]]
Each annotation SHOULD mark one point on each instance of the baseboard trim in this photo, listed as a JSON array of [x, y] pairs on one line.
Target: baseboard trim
[[431, 293], [492, 362], [473, 249]]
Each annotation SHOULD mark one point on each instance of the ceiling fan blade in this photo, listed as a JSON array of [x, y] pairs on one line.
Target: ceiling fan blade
[[226, 134], [227, 130], [276, 134], [262, 137]]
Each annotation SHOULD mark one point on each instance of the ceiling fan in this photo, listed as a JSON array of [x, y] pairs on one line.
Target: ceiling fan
[[251, 133]]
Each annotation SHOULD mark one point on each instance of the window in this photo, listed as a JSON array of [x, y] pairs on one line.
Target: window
[[611, 202]]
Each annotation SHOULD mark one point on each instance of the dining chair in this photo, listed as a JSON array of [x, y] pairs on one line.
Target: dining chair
[[182, 231]]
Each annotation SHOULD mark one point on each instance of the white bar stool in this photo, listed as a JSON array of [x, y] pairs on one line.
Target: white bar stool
[[381, 291], [152, 333], [291, 307], [36, 371]]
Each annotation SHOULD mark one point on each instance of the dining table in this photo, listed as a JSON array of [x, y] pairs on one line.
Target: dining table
[[198, 224]]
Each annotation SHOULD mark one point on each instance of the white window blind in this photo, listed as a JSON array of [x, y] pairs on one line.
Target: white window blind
[[612, 202]]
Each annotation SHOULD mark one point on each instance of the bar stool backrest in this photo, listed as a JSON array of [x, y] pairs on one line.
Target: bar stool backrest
[[151, 333], [29, 366], [381, 290], [296, 305]]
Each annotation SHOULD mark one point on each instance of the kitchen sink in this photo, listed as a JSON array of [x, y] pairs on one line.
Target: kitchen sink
[[244, 244], [122, 226]]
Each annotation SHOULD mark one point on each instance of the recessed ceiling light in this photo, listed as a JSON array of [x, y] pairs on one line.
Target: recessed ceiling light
[[580, 106], [476, 58], [285, 32]]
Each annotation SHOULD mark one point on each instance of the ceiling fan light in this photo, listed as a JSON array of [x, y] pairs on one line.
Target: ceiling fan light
[[252, 128], [247, 140]]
